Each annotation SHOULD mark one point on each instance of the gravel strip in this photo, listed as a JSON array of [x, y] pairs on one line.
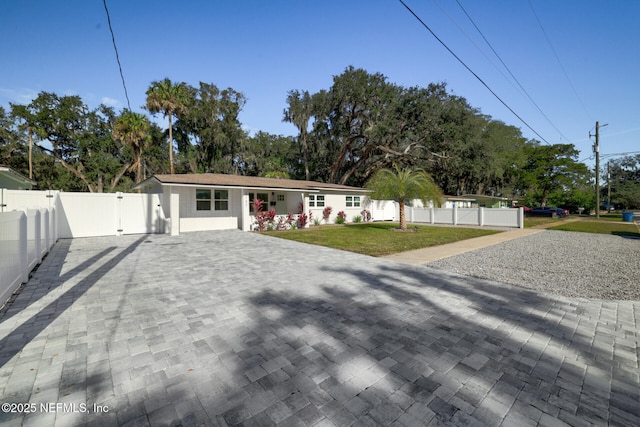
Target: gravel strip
[[566, 263]]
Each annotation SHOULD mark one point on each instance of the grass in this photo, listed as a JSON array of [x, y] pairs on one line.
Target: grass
[[378, 238], [540, 220], [608, 217], [600, 227]]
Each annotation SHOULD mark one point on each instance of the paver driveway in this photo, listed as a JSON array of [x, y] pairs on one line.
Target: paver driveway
[[228, 328]]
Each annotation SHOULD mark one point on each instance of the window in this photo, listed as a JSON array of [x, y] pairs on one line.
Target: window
[[353, 201], [262, 196], [221, 201], [316, 201], [203, 200]]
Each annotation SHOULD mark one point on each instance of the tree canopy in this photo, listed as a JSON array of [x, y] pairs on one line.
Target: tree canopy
[[346, 133]]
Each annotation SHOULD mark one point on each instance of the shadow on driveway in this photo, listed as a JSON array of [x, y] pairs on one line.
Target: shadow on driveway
[[11, 344], [233, 328]]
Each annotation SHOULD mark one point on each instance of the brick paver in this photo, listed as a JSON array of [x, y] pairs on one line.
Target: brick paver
[[231, 328]]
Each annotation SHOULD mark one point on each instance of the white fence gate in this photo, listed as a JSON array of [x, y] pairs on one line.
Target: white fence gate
[[93, 214]]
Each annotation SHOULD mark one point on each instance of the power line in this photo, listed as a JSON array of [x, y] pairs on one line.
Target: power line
[[604, 156], [471, 71], [113, 39], [559, 62], [509, 71], [443, 10], [628, 153]]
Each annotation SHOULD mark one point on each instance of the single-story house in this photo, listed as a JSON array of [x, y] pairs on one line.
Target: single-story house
[[12, 180], [219, 201], [493, 201], [447, 202]]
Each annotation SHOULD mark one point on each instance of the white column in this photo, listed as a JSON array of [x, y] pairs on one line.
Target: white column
[[245, 212]]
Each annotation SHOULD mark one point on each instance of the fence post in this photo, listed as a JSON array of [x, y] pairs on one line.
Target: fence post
[[53, 215], [481, 216], [455, 214], [520, 217], [47, 231], [22, 244], [38, 236], [2, 202], [432, 214]]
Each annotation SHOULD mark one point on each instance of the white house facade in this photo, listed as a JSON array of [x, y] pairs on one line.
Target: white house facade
[[219, 201]]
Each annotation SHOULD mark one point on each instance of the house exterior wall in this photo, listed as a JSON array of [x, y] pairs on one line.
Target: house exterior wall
[[239, 215], [338, 202], [192, 219]]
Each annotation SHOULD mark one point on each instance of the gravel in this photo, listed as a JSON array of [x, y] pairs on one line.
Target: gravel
[[565, 263]]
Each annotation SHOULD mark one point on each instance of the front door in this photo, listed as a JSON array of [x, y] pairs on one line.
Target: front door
[[281, 203]]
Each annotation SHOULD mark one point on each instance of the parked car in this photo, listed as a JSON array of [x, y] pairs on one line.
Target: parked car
[[548, 211]]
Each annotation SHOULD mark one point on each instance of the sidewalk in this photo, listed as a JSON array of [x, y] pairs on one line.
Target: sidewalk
[[434, 253]]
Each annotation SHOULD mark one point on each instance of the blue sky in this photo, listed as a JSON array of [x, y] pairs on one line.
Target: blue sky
[[266, 48]]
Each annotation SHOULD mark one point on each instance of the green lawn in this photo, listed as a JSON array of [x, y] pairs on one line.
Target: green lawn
[[379, 238], [540, 220], [601, 227], [608, 217]]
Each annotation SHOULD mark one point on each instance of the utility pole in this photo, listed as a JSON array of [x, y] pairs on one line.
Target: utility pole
[[596, 150], [609, 186]]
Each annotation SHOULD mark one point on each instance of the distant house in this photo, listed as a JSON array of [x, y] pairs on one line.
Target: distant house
[[448, 202], [218, 201], [492, 201], [12, 180]]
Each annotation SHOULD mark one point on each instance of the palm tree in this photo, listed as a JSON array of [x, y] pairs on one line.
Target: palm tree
[[133, 130], [403, 185], [23, 112], [299, 113], [168, 98]]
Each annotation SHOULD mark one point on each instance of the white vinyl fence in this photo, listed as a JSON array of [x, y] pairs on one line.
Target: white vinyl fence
[[26, 236], [495, 217], [93, 214]]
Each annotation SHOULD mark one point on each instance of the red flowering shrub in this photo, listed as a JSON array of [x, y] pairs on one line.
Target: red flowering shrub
[[326, 213]]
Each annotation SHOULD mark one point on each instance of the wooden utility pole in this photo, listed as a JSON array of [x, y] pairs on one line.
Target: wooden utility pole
[[596, 148], [609, 186]]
